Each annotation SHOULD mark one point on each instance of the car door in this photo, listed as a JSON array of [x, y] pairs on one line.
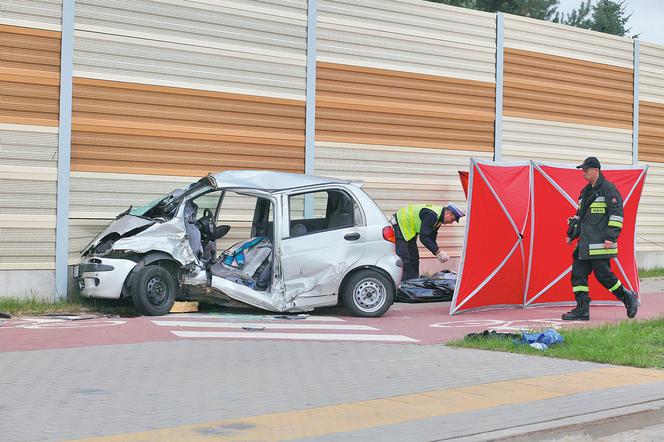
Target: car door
[[250, 213], [320, 244]]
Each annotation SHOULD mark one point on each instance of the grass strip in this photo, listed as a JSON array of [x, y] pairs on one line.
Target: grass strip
[[633, 343]]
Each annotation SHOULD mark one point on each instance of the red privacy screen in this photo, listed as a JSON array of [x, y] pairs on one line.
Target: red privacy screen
[[514, 250]]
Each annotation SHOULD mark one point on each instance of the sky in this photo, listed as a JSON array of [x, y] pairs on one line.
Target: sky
[[647, 18]]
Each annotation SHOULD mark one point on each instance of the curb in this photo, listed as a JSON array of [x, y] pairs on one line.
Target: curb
[[589, 426]]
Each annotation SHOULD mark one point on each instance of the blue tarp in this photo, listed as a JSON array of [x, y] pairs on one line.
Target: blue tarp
[[545, 339]]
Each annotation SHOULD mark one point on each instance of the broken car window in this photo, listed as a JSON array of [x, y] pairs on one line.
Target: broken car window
[[166, 207], [247, 215]]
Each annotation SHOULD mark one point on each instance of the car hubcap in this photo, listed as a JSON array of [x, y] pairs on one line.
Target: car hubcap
[[369, 295], [157, 291]]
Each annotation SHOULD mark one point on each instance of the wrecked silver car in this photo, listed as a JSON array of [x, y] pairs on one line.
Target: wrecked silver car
[[278, 241]]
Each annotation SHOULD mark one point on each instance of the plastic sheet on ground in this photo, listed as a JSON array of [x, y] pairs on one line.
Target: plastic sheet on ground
[[437, 288], [542, 340], [539, 340]]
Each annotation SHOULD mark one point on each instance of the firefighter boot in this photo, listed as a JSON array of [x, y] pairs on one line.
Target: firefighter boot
[[631, 302], [582, 310]]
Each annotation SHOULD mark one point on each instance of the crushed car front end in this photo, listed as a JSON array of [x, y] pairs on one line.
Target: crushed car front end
[[156, 228]]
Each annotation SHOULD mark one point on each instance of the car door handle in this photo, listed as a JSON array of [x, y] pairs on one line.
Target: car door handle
[[352, 236]]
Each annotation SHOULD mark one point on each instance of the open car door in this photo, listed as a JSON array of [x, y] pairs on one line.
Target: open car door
[[245, 271]]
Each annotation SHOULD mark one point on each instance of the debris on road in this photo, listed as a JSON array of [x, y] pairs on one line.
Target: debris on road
[[253, 328], [300, 316], [5, 315], [184, 307], [74, 317]]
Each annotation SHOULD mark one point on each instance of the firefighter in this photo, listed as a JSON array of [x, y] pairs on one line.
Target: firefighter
[[423, 220], [597, 223]]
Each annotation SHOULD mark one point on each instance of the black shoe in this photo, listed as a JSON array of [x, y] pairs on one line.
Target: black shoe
[[576, 315], [580, 313], [631, 303]]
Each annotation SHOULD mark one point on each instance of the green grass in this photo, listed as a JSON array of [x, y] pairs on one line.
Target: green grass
[[33, 306], [652, 273], [634, 343]]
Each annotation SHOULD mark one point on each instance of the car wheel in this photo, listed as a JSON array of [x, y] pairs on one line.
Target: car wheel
[[368, 293], [153, 291]]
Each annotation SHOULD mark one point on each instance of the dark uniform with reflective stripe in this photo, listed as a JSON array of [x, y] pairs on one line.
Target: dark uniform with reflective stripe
[[417, 219], [601, 215]]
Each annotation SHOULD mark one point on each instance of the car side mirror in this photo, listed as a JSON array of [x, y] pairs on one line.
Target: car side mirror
[[220, 232]]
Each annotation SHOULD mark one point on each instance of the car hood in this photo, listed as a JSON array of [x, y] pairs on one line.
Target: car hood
[[131, 233], [125, 225]]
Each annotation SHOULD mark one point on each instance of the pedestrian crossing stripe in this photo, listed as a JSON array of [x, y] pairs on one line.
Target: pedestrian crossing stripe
[[294, 336], [284, 330], [239, 317], [266, 325]]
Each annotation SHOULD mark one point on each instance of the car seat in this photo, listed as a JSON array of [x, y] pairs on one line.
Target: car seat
[[298, 229], [342, 215], [195, 240]]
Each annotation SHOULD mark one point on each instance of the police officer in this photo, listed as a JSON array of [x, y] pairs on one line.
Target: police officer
[[423, 220], [599, 220]]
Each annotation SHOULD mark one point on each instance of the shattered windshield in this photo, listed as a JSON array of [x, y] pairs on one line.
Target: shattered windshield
[[141, 210], [166, 206]]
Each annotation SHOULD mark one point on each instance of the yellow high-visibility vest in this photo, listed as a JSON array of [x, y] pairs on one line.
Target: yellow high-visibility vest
[[409, 218]]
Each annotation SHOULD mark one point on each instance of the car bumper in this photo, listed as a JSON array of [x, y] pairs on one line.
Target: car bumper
[[102, 278], [393, 265]]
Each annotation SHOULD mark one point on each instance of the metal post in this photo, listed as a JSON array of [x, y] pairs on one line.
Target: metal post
[[500, 56], [635, 115], [310, 117], [64, 150]]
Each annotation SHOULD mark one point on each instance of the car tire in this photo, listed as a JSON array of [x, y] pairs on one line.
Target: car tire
[[153, 291], [368, 294]]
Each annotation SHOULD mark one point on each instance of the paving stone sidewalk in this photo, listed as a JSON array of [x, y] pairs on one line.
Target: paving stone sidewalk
[[73, 393]]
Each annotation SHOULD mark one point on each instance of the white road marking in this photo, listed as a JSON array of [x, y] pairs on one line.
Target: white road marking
[[294, 336], [59, 324], [508, 325], [273, 326], [249, 317]]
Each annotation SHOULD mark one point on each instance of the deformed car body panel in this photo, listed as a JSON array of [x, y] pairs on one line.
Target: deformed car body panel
[[316, 268], [120, 226], [272, 300], [169, 237]]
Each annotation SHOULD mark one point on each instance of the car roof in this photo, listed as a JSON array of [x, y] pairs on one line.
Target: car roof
[[269, 181]]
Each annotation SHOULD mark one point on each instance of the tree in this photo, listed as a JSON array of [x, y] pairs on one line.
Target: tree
[[578, 17], [541, 9], [608, 16]]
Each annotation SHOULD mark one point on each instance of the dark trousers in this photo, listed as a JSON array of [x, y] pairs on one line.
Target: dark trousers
[[409, 254], [581, 269]]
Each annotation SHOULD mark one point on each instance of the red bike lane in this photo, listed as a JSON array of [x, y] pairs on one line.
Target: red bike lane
[[403, 324]]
